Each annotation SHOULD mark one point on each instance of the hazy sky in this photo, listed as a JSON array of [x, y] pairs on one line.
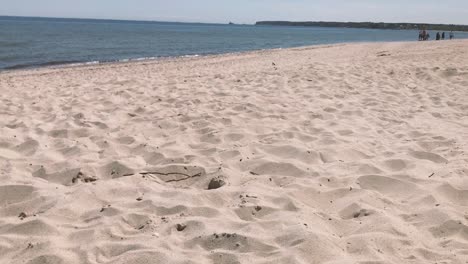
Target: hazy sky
[[247, 11]]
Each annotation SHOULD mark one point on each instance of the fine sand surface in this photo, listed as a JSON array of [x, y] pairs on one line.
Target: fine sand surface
[[351, 153]]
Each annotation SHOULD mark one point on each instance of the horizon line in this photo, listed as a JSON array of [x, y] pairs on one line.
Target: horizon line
[[123, 19]]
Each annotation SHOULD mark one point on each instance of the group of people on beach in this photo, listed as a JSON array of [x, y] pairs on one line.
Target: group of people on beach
[[424, 35]]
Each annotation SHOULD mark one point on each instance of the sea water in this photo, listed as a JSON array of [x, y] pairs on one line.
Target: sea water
[[32, 42]]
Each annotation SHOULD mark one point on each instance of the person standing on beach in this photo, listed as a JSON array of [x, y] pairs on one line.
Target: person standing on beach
[[438, 36], [443, 35], [424, 34], [427, 36]]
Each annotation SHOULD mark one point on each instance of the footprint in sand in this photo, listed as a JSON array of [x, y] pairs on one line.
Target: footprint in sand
[[388, 186], [10, 194], [428, 156]]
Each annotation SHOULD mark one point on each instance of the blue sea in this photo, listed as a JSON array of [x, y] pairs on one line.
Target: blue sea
[[33, 42]]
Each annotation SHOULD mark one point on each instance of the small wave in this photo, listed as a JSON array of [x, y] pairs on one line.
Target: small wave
[[146, 58], [190, 56], [81, 63], [136, 59], [76, 63]]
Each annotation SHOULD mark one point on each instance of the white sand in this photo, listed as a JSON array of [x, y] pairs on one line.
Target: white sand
[[342, 154]]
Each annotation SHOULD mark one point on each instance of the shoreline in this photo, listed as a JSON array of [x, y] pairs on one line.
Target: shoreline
[[72, 65], [160, 59]]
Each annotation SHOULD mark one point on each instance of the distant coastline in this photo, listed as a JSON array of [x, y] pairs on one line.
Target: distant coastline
[[368, 25]]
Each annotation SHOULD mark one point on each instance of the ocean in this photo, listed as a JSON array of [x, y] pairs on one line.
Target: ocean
[[34, 42]]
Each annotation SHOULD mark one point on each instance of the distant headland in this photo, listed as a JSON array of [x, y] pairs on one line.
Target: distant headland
[[370, 25]]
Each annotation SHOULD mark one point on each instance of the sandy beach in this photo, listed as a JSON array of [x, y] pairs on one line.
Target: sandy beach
[[350, 153]]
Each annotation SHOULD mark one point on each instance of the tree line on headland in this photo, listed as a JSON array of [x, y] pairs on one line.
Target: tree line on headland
[[371, 25]]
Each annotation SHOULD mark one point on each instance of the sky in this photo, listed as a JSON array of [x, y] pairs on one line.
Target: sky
[[246, 11]]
